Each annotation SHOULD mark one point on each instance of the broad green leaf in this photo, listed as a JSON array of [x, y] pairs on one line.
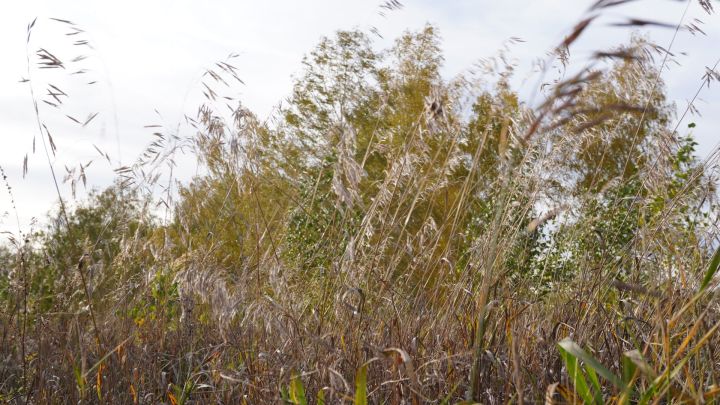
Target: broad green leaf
[[597, 388], [638, 361], [575, 374], [297, 391], [629, 369], [574, 349]]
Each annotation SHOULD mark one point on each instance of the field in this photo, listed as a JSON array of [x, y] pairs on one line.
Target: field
[[387, 236]]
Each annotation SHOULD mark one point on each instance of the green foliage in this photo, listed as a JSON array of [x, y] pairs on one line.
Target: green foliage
[[96, 229], [90, 238], [160, 304], [361, 386], [712, 269], [583, 367], [297, 390]]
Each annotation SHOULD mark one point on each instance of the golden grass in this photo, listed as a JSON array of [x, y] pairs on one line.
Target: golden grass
[[371, 244]]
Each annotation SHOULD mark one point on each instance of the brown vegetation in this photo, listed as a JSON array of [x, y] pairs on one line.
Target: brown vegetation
[[387, 237]]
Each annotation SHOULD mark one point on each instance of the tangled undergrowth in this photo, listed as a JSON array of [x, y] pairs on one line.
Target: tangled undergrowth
[[389, 236]]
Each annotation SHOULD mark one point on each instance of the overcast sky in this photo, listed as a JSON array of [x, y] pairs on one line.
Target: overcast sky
[[148, 56]]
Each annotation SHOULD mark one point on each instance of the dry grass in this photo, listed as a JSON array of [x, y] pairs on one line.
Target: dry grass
[[371, 243]]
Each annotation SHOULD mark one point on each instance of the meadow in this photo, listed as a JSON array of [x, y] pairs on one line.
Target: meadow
[[388, 235]]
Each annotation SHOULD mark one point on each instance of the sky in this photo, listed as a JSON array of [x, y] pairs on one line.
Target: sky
[[147, 58]]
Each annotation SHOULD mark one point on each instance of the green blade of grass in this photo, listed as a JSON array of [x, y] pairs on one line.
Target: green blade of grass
[[574, 349], [361, 386], [297, 390], [573, 368], [597, 388], [712, 269]]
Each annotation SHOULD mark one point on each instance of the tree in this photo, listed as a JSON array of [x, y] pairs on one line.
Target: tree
[[90, 239]]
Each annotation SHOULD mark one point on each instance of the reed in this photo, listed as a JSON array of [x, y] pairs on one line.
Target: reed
[[386, 236]]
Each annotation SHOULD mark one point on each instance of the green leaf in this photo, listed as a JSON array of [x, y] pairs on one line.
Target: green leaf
[[321, 397], [629, 369], [180, 393], [574, 372], [297, 391], [361, 386], [712, 269], [596, 385], [638, 361], [79, 380], [574, 349]]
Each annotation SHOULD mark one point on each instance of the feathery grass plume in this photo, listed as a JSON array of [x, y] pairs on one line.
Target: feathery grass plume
[[386, 235]]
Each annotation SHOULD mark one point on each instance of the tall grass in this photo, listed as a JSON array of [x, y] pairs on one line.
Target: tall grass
[[387, 237]]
